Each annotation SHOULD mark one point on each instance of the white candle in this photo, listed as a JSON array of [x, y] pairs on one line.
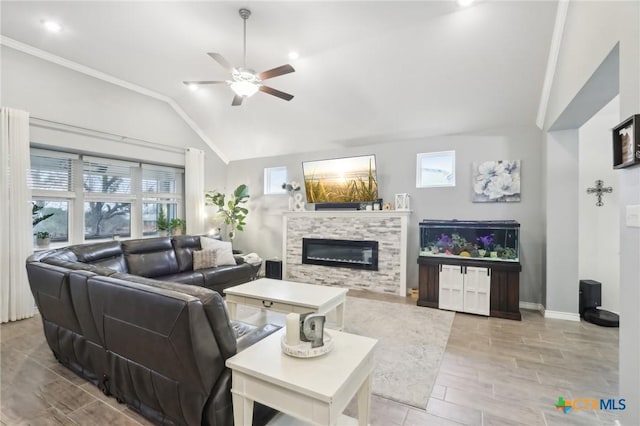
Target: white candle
[[293, 329]]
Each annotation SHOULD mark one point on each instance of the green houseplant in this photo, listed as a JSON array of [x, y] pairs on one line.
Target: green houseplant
[[162, 224], [232, 211], [43, 238], [177, 226]]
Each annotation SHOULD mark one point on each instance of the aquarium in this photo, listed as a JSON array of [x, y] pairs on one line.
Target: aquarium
[[478, 240]]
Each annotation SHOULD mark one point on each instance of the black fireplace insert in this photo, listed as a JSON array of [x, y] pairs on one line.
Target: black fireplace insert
[[355, 254]]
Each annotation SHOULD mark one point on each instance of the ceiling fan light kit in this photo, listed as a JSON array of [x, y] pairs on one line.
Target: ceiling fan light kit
[[244, 81]]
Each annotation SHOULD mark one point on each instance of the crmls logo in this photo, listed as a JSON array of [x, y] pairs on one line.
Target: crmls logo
[[589, 404]]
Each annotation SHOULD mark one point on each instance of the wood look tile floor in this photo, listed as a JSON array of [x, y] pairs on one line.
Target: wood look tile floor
[[494, 373]]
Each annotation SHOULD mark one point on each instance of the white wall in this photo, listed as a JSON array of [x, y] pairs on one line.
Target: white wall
[[561, 222], [591, 31], [396, 172], [59, 94], [599, 227]]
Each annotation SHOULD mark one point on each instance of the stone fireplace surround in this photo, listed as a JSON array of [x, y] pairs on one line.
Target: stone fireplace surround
[[388, 227]]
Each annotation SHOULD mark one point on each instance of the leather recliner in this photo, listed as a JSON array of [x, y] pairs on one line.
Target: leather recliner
[[158, 346]]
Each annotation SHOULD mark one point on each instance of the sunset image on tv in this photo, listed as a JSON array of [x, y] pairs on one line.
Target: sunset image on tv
[[341, 180]]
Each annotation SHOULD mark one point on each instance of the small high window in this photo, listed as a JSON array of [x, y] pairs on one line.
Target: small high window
[[274, 177], [436, 169]]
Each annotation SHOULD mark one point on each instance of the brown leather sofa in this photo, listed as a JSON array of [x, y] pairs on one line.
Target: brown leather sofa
[[158, 346]]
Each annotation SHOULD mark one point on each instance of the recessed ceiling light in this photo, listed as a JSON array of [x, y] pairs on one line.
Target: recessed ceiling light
[[193, 87], [52, 26], [294, 55], [465, 3]]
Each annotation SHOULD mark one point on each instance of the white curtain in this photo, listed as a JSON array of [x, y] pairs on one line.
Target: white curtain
[[194, 191], [16, 240]]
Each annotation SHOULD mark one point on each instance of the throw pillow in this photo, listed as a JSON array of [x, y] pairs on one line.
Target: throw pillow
[[203, 259], [224, 252]]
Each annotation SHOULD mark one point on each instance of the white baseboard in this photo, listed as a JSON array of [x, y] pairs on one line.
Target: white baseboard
[[532, 306], [568, 316]]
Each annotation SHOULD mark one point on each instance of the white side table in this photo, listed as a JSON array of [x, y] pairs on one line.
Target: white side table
[[315, 390]]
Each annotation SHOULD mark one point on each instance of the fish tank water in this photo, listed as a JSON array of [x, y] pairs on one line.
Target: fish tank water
[[489, 240]]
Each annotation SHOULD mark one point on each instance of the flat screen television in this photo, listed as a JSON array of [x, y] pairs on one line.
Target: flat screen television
[[341, 180]]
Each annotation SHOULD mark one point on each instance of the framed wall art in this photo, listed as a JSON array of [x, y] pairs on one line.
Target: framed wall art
[[626, 143], [496, 181]]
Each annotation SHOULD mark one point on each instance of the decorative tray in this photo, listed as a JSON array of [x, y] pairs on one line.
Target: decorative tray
[[304, 349]]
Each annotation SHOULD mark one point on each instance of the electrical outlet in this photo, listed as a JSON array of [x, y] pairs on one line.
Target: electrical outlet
[[632, 217]]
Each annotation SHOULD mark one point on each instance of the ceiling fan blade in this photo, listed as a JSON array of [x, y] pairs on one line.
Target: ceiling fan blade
[[203, 82], [275, 72], [222, 61], [237, 100], [274, 92]]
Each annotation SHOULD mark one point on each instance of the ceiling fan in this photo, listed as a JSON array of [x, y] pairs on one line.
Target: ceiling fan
[[244, 81]]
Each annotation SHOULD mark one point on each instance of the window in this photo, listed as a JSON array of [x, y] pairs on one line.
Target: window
[[107, 197], [51, 171], [436, 169], [51, 180], [95, 198], [104, 219], [57, 225], [161, 189], [274, 177]]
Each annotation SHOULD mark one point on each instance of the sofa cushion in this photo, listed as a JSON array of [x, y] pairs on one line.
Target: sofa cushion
[[153, 257], [187, 277], [184, 247], [203, 259], [108, 254], [225, 276], [213, 304], [224, 250]]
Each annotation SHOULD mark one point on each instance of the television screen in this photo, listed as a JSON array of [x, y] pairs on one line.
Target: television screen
[[341, 180]]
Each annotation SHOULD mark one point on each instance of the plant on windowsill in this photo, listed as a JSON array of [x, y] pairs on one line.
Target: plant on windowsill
[[177, 226], [162, 224], [232, 211], [43, 238]]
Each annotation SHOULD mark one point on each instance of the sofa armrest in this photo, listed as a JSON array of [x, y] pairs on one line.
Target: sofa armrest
[[248, 334]]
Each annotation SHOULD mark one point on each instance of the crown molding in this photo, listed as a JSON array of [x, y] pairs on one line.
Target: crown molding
[[49, 57], [552, 61]]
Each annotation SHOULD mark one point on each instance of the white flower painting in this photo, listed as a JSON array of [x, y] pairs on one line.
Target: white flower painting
[[496, 181]]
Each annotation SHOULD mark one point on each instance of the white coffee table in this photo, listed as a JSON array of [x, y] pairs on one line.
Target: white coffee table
[[314, 390], [287, 297]]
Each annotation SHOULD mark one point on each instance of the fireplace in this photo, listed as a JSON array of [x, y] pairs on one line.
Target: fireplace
[[353, 254]]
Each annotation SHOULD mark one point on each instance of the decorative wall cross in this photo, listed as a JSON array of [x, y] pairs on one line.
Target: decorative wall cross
[[599, 190]]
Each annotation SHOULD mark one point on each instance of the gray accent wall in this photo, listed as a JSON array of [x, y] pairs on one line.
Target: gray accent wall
[[396, 172]]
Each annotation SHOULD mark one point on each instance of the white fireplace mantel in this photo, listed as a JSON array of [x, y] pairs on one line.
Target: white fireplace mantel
[[388, 227]]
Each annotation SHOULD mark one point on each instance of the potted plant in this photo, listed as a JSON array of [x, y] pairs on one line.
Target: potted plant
[[177, 226], [43, 238], [162, 224], [232, 211]]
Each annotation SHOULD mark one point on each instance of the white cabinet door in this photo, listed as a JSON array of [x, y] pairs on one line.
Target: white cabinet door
[[477, 294], [450, 293]]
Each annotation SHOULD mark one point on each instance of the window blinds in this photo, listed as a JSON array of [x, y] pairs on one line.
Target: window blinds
[[106, 176], [51, 171], [160, 180]]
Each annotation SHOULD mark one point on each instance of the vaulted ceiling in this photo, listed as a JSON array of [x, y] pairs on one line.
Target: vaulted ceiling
[[368, 72]]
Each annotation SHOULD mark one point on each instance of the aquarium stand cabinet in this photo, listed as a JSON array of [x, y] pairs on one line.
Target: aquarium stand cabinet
[[475, 286]]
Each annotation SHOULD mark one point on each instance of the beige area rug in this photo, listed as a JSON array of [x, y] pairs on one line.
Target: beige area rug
[[411, 343]]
